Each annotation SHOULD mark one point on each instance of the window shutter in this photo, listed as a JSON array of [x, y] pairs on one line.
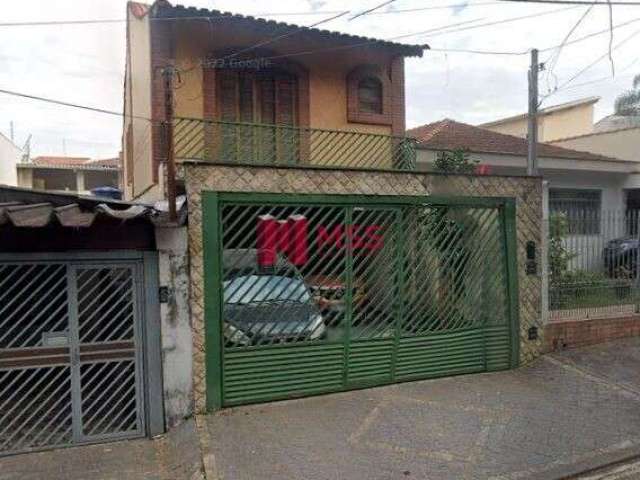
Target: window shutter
[[285, 98]]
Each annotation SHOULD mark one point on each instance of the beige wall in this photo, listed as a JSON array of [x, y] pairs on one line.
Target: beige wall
[[137, 111], [327, 88], [551, 126], [526, 190], [623, 144]]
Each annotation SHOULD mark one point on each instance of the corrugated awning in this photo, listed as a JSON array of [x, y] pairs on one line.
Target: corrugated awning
[[27, 208]]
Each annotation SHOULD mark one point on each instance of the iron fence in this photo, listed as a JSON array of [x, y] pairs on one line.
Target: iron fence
[[593, 262], [282, 145], [329, 293]]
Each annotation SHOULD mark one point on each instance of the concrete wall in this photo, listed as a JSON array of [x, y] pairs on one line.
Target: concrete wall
[[624, 144], [137, 108], [562, 123], [526, 191], [175, 320], [10, 156]]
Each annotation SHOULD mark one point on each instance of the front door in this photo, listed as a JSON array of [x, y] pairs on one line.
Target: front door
[[70, 353]]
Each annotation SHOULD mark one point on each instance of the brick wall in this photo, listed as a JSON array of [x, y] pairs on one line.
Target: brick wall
[[560, 335], [526, 191]]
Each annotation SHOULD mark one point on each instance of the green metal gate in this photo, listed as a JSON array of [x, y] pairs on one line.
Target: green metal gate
[[307, 294]]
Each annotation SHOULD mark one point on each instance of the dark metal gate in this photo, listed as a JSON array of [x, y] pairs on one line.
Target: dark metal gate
[[310, 294], [70, 353]]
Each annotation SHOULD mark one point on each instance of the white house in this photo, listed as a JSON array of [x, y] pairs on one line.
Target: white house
[[585, 185], [10, 157]]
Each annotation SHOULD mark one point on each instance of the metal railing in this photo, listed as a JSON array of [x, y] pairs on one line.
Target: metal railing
[[593, 263], [283, 145]]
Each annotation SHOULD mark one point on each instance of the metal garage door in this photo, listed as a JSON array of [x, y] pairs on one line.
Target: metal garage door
[[313, 294], [70, 352]]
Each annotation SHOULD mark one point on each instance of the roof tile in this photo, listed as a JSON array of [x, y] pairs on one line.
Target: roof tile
[[448, 134]]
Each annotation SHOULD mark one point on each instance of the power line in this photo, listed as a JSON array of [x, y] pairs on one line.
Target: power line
[[68, 104], [371, 10], [556, 56], [273, 40], [436, 7], [596, 61], [574, 2], [591, 35]]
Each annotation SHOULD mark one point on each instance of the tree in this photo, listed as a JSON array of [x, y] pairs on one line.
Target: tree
[[628, 104], [455, 161]]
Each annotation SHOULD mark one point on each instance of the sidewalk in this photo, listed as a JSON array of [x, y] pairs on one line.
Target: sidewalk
[[170, 457], [565, 414]]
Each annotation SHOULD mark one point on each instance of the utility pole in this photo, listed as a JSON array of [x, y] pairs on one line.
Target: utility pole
[[167, 74], [11, 134], [532, 135]]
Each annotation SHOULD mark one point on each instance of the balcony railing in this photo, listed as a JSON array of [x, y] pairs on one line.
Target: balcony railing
[[282, 145]]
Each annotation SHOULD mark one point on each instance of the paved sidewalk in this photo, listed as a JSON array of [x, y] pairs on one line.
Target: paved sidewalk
[[175, 456], [566, 413]]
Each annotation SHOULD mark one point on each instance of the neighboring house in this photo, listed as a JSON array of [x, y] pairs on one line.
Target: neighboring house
[[234, 84], [69, 174], [573, 175], [10, 156], [557, 121], [581, 184]]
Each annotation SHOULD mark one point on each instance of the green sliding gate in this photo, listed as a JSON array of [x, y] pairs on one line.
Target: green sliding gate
[[307, 294]]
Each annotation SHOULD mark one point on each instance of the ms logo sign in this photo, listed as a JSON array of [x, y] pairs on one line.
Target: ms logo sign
[[294, 237]]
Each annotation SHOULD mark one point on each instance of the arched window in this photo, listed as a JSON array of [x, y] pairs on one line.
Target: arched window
[[370, 95]]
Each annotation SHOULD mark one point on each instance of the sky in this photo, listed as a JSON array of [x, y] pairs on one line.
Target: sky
[[84, 64]]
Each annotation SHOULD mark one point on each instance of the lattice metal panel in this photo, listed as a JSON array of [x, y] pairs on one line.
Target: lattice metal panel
[[107, 333], [327, 296], [69, 370], [264, 144]]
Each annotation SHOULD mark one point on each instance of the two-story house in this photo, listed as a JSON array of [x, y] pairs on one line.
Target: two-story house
[[248, 90]]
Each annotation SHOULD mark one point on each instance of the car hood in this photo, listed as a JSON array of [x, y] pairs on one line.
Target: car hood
[[272, 318]]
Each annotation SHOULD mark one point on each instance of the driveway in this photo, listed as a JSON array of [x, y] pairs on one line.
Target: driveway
[[567, 413], [564, 414]]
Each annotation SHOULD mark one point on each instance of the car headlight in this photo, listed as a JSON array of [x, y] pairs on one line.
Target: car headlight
[[235, 335], [316, 325]]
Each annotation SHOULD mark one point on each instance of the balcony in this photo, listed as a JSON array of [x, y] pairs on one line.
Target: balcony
[[283, 145]]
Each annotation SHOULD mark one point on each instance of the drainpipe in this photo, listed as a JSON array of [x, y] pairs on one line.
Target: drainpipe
[[168, 73]]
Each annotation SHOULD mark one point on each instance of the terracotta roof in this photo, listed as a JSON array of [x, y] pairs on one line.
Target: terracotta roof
[[105, 162], [449, 135], [163, 9], [59, 161]]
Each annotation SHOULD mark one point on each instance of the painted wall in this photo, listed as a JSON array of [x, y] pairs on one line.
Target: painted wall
[[551, 126], [10, 156], [624, 144], [137, 100], [327, 86], [175, 324]]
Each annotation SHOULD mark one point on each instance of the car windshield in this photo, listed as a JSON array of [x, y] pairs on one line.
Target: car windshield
[[265, 288]]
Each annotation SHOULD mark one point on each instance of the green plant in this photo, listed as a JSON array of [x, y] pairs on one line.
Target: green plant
[[559, 254], [628, 104], [455, 161]]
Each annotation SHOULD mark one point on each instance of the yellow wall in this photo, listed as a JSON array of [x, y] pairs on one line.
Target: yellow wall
[[137, 111], [623, 144], [551, 126], [327, 88]]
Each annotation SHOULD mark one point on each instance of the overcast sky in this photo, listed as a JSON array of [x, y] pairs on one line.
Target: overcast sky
[[84, 64]]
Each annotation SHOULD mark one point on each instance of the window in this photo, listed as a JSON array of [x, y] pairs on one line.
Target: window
[[581, 207], [370, 95]]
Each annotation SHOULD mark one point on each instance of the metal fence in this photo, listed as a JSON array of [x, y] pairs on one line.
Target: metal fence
[[329, 293], [593, 262], [263, 144]]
